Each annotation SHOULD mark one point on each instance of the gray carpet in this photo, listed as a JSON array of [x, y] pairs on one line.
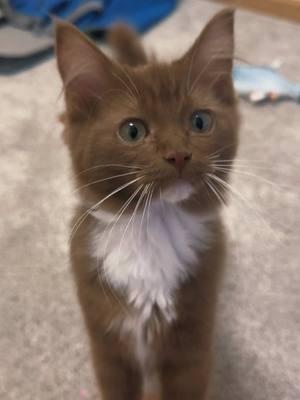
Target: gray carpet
[[43, 345]]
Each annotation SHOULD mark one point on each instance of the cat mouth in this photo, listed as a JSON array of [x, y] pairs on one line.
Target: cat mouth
[[177, 191]]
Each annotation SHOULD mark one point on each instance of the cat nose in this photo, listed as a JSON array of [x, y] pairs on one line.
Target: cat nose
[[178, 159]]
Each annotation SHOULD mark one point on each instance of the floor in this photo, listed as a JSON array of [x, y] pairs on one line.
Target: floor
[[43, 345]]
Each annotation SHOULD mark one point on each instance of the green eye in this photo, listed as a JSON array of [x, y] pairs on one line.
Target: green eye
[[201, 121], [133, 131]]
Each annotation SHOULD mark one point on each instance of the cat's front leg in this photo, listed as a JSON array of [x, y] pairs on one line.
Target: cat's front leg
[[185, 360], [117, 374], [186, 379]]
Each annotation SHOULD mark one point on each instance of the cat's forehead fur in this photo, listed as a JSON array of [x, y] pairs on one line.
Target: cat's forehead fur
[[163, 82], [167, 88], [162, 94]]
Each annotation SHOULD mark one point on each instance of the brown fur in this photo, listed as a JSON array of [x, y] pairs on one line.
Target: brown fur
[[100, 94], [126, 45]]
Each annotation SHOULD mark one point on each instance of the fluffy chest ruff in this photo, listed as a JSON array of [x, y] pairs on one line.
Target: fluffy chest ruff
[[148, 255]]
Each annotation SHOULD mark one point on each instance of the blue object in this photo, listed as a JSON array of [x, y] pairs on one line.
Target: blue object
[[263, 83], [90, 15]]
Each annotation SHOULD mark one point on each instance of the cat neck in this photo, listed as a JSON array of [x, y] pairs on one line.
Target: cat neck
[[148, 255]]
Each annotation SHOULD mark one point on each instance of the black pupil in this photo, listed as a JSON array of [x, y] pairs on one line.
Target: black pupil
[[199, 122], [133, 131]]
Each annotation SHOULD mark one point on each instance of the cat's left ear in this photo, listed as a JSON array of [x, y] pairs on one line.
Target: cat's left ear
[[210, 59], [87, 73]]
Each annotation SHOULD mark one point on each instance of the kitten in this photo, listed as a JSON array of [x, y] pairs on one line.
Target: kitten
[[147, 244]]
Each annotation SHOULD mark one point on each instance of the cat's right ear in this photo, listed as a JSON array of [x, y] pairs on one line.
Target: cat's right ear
[[210, 59], [86, 72]]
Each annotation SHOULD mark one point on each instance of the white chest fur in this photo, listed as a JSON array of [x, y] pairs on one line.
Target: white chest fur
[[149, 255]]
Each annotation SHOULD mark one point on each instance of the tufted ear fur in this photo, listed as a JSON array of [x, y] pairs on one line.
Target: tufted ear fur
[[85, 70], [209, 60]]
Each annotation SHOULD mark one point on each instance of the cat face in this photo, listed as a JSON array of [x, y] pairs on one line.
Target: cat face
[[151, 128]]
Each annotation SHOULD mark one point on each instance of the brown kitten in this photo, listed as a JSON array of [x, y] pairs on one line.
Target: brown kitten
[[147, 244]]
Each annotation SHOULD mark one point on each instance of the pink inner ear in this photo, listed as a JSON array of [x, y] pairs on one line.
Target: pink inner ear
[[86, 72], [85, 88], [209, 61], [81, 95], [212, 52]]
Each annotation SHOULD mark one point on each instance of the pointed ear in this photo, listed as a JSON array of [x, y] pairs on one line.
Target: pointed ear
[[210, 59], [86, 72]]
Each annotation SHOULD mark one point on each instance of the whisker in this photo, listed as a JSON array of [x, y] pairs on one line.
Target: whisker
[[215, 191], [217, 153], [188, 80], [148, 211], [147, 203], [119, 214], [230, 189], [243, 161], [147, 236], [147, 188], [218, 56], [130, 80], [246, 173], [216, 78], [90, 184], [102, 180], [128, 224], [108, 166], [160, 196], [96, 205], [244, 166], [130, 95], [139, 202]]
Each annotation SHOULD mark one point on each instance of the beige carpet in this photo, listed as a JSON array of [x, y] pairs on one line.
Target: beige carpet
[[43, 346]]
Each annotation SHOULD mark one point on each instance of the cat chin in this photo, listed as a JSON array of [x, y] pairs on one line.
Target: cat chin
[[177, 192], [174, 193]]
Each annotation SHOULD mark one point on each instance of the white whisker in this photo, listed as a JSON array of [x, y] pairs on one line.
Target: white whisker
[[216, 56], [246, 173], [97, 205], [119, 215], [147, 191], [103, 180], [149, 210], [108, 166], [128, 224], [215, 191], [130, 80], [139, 202], [90, 184], [132, 95], [230, 189], [246, 162]]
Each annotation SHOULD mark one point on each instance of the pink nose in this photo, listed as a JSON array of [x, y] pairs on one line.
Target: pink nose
[[178, 159]]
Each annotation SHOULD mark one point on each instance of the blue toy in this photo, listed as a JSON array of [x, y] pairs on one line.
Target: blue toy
[[259, 84]]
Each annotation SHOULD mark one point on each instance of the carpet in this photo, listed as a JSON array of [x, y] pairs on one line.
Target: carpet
[[44, 351]]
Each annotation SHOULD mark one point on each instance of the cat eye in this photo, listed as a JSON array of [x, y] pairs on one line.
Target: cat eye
[[201, 122], [133, 131]]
